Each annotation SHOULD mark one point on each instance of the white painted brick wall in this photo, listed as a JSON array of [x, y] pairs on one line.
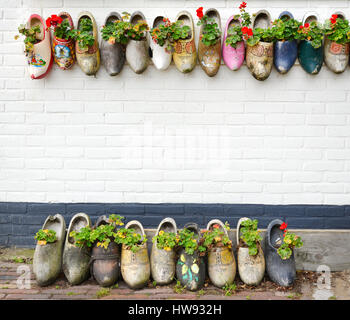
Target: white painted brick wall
[[166, 136]]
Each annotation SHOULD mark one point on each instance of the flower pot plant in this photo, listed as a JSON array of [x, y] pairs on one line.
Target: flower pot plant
[[135, 265], [221, 261], [209, 47], [279, 247], [337, 43], [37, 46], [163, 252], [260, 41], [286, 47], [164, 34], [47, 260], [250, 256], [86, 44], [114, 40], [76, 258], [310, 49], [233, 50], [137, 47], [185, 54], [63, 41], [190, 266]]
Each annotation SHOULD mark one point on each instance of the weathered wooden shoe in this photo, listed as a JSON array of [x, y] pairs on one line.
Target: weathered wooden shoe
[[336, 56], [137, 50], [135, 266], [47, 261], [161, 56], [221, 261], [251, 268], [285, 52], [112, 54], [76, 260], [233, 57], [64, 50], [280, 271], [190, 268], [105, 263], [209, 57], [162, 261], [40, 59], [310, 59], [260, 56], [185, 55], [88, 59]]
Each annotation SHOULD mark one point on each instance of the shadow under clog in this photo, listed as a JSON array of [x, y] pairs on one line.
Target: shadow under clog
[[185, 55], [280, 271], [162, 261], [40, 59], [76, 260], [161, 56], [209, 57], [47, 260], [88, 59], [112, 55], [285, 52], [233, 57], [137, 50]]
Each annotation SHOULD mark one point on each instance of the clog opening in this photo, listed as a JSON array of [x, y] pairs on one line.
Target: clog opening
[[80, 26], [78, 223], [136, 19], [158, 21], [233, 23], [36, 22], [213, 14], [186, 21], [66, 16], [276, 236], [310, 19], [262, 20], [112, 19], [167, 227], [55, 225]]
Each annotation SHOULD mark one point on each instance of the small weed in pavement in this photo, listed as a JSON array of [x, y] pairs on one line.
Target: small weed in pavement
[[332, 298], [103, 292], [229, 289], [178, 288]]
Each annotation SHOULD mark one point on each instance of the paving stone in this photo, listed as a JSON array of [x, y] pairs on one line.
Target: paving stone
[[65, 291], [2, 295], [27, 296], [73, 297], [19, 291]]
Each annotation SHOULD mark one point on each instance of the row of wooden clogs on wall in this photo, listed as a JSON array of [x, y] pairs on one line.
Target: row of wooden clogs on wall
[[260, 58]]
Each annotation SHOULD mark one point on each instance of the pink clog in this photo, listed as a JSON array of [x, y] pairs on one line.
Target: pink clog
[[232, 57]]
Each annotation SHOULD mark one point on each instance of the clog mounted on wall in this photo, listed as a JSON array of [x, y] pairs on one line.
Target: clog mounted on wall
[[185, 55], [260, 56], [76, 260], [162, 261], [64, 50], [89, 59], [161, 56], [137, 50], [280, 271], [210, 56], [336, 56], [233, 57], [112, 54], [285, 52], [47, 260], [310, 59], [40, 59]]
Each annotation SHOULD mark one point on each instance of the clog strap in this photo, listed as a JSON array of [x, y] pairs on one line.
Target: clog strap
[[239, 227], [269, 229], [169, 221]]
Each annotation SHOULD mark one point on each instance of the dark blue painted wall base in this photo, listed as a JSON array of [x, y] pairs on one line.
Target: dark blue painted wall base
[[20, 221]]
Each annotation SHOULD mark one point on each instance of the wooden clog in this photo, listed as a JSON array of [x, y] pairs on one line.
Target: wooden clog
[[209, 57], [185, 55], [76, 260], [88, 60], [112, 55], [40, 59], [64, 50]]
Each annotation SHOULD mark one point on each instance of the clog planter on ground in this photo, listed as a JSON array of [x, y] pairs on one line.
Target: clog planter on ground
[[112, 51], [135, 265], [75, 259], [137, 47], [88, 54], [163, 259], [221, 261], [251, 261], [209, 50], [185, 55], [47, 261]]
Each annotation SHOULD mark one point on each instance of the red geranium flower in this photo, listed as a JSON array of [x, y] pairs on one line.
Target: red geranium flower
[[334, 18], [306, 25], [244, 30], [283, 226], [250, 32], [54, 20], [301, 27], [216, 226], [200, 12], [243, 5]]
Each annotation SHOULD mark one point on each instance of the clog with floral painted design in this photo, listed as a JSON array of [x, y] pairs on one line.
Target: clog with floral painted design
[[185, 55], [40, 59]]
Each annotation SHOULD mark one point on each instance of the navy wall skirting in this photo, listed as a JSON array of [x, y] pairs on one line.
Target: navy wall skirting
[[20, 221]]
